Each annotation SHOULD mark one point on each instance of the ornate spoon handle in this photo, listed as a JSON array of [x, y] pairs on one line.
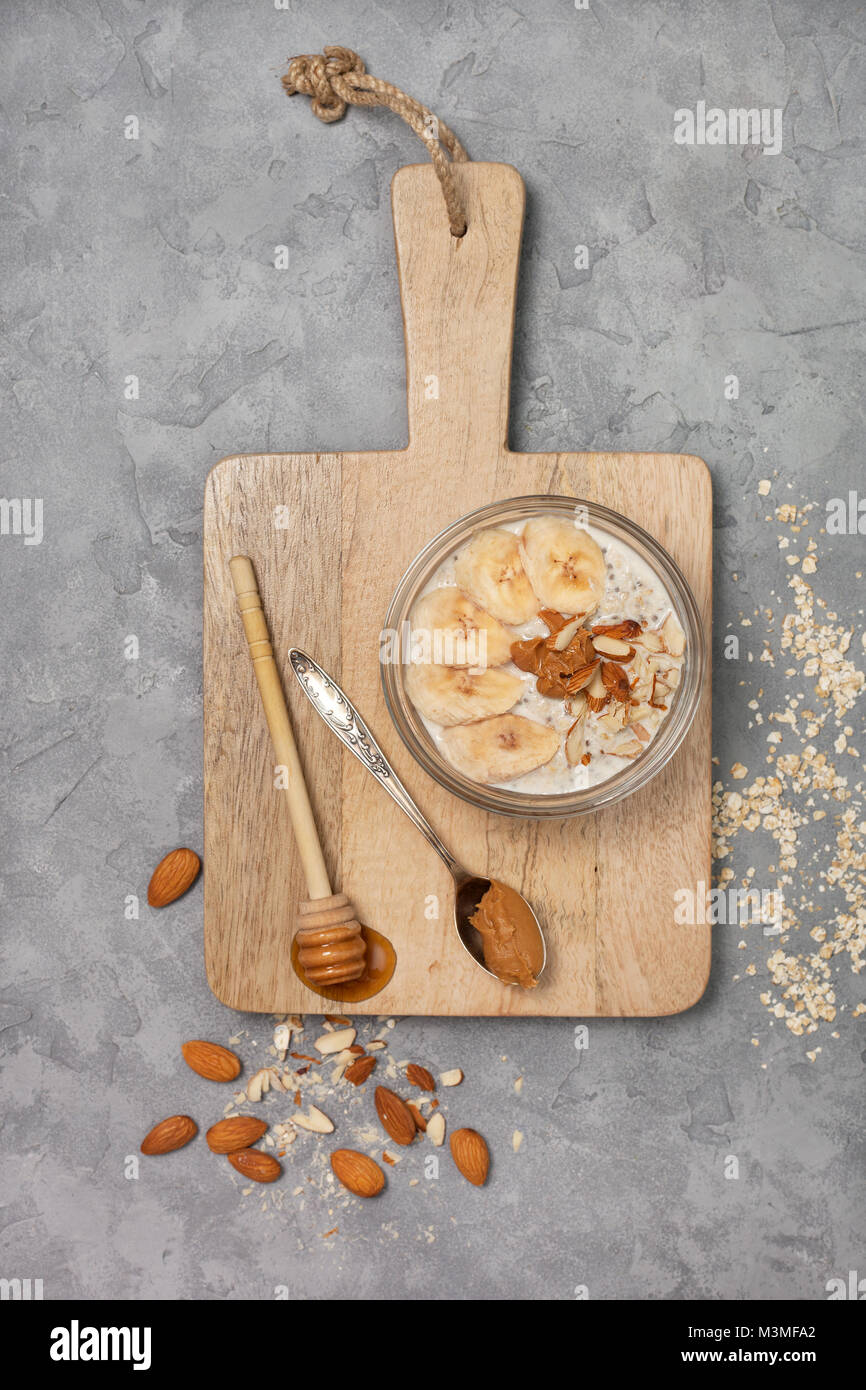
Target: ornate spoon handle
[[340, 715]]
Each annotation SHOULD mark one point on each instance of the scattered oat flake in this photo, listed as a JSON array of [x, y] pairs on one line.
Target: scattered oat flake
[[821, 921], [516, 1140]]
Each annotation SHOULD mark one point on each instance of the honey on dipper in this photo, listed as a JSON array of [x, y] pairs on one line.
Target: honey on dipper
[[331, 948]]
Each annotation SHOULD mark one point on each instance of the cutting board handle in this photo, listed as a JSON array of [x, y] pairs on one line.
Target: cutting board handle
[[458, 298]]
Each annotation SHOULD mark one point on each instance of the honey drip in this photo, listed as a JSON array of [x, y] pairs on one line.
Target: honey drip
[[381, 961]]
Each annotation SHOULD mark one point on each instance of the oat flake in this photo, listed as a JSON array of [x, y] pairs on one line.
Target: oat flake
[[812, 767]]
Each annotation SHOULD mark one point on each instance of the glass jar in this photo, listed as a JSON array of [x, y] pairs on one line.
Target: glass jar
[[683, 703]]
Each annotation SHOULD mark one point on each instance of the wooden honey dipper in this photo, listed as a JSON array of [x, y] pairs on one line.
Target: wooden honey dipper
[[331, 948]]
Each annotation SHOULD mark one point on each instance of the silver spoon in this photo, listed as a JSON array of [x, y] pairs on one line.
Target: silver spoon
[[340, 715]]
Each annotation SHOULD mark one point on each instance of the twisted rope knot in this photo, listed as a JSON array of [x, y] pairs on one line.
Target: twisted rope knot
[[319, 76], [338, 78]]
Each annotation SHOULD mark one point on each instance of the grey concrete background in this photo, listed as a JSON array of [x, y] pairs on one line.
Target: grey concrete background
[[155, 258]]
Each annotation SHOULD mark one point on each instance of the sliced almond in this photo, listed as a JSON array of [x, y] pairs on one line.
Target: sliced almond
[[451, 1078], [282, 1037], [640, 732], [583, 677], [673, 636], [597, 694], [612, 646], [436, 1128], [420, 1077], [615, 719], [626, 631], [334, 1042], [641, 672], [631, 749], [642, 713], [360, 1070], [660, 690], [651, 640], [315, 1121], [560, 640], [260, 1084], [553, 619], [575, 739], [615, 680]]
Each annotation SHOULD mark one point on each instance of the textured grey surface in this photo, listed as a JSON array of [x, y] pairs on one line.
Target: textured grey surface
[[155, 258]]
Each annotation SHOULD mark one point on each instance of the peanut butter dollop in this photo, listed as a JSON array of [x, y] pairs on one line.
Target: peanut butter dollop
[[512, 944]]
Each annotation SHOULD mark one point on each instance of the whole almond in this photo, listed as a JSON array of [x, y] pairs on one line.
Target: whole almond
[[471, 1155], [420, 1122], [172, 877], [358, 1072], [211, 1061], [169, 1135], [420, 1077], [395, 1115], [357, 1172], [253, 1163], [239, 1132]]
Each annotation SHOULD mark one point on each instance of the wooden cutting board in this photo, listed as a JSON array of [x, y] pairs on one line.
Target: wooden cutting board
[[330, 536]]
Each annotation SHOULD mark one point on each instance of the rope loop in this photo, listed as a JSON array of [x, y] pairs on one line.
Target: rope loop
[[338, 78]]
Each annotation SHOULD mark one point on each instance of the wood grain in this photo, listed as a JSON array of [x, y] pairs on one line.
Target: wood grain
[[603, 885]]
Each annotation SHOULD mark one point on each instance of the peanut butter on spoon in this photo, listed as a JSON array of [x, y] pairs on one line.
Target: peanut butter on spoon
[[514, 939], [512, 944]]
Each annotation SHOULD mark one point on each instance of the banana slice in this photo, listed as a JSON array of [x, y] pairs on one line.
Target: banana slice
[[491, 571], [449, 696], [565, 565], [500, 749], [448, 629]]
